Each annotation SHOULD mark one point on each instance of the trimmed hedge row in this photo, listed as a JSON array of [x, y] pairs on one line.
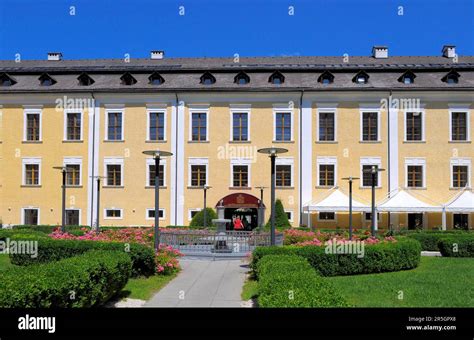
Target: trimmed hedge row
[[383, 257], [87, 280], [457, 246], [46, 228], [429, 240], [143, 257], [290, 281]]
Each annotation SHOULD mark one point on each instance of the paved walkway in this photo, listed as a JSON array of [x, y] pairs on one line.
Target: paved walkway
[[203, 283]]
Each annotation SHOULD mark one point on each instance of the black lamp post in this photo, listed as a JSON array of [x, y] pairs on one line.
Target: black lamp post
[[157, 154], [63, 206], [272, 152], [262, 218], [373, 171], [350, 179], [97, 223], [205, 188]]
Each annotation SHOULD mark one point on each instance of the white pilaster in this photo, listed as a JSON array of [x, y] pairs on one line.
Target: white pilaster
[[180, 140], [174, 138], [393, 147], [306, 162]]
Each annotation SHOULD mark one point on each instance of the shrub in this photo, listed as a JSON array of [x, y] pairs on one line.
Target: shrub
[[429, 240], [198, 219], [380, 257], [289, 281], [281, 218], [458, 245], [87, 280], [47, 229], [143, 257]]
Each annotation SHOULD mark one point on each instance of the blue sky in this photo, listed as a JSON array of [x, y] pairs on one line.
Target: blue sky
[[111, 28]]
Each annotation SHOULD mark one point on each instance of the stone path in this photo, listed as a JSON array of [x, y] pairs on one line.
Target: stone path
[[204, 283]]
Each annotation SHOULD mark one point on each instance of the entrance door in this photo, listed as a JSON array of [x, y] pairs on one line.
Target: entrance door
[[72, 217], [248, 216], [461, 221], [415, 221]]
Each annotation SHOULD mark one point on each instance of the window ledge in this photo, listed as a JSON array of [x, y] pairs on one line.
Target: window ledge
[[239, 142], [113, 186], [156, 141], [456, 189], [369, 188], [74, 186], [73, 141], [114, 141], [324, 186], [416, 188], [414, 141], [198, 141], [326, 142], [240, 188], [370, 142], [284, 188], [153, 187], [284, 141], [194, 187], [460, 141], [30, 186], [32, 142]]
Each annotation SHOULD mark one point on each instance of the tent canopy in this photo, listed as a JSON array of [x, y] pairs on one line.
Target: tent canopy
[[462, 202], [402, 201], [335, 200]]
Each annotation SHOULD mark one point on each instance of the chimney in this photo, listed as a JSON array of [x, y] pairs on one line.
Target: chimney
[[449, 51], [157, 54], [55, 55], [380, 52]]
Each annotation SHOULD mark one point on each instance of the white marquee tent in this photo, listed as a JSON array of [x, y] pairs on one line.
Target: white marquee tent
[[333, 201], [463, 202], [401, 200]]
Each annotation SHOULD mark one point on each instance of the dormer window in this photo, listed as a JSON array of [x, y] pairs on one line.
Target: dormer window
[[326, 78], [207, 79], [156, 79], [85, 80], [6, 80], [361, 78], [46, 80], [128, 79], [452, 77], [408, 77], [276, 78], [242, 78]]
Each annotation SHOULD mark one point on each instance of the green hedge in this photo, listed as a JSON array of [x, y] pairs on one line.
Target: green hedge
[[290, 281], [87, 280], [143, 257], [383, 257], [429, 240], [47, 229], [457, 246]]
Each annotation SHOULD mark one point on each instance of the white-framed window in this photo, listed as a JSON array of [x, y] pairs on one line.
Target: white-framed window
[[150, 214], [73, 170], [284, 172], [366, 163], [198, 172], [31, 171], [192, 212], [240, 173], [113, 172], [32, 124], [199, 123], [73, 125], [73, 216], [326, 125], [414, 121], [240, 123], [415, 172], [459, 125], [289, 214], [114, 124], [150, 173], [327, 216], [282, 124], [326, 171], [113, 213], [156, 124], [460, 169], [370, 125], [368, 217], [30, 215]]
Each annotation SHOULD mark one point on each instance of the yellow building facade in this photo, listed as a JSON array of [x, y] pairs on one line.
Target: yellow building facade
[[334, 123]]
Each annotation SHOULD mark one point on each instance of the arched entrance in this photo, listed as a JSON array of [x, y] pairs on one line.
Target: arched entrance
[[247, 207]]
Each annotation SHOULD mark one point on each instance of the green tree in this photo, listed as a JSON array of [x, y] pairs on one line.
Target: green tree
[[198, 219], [281, 219]]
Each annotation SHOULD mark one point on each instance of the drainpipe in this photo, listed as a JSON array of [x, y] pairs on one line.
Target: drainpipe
[[301, 153]]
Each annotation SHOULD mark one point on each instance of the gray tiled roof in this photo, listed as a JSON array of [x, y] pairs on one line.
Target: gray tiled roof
[[184, 73]]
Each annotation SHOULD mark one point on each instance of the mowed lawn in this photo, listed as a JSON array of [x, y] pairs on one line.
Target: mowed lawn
[[437, 282]]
